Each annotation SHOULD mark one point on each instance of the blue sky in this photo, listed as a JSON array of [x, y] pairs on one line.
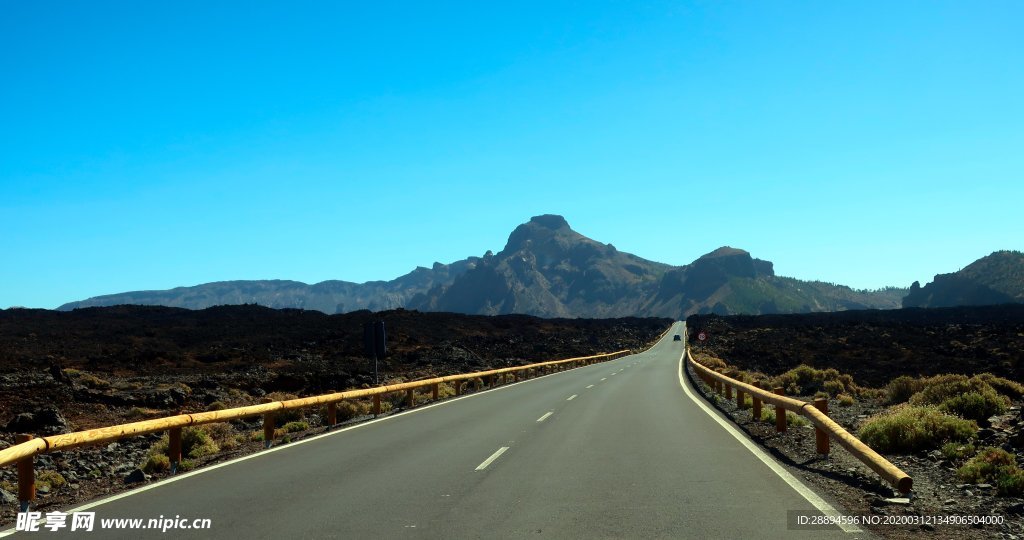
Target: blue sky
[[158, 144]]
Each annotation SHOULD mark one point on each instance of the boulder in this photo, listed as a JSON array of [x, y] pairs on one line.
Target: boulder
[[135, 477], [47, 421], [7, 498]]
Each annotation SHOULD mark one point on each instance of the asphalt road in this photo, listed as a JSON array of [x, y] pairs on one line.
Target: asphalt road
[[614, 450]]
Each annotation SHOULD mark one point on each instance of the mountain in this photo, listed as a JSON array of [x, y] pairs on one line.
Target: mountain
[[327, 296], [549, 270], [994, 279]]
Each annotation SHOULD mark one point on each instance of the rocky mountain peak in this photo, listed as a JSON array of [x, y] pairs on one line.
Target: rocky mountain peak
[[540, 229], [726, 262], [726, 251]]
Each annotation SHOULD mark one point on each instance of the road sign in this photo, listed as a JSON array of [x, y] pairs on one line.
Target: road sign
[[702, 336]]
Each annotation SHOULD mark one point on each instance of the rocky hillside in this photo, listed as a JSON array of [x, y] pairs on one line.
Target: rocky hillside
[[332, 296], [995, 279], [546, 269]]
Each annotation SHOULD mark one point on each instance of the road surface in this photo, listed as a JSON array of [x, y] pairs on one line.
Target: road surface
[[613, 450]]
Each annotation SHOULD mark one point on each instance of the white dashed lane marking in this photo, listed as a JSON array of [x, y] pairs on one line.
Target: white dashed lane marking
[[491, 459]]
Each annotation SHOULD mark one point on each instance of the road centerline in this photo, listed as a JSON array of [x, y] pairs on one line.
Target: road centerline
[[546, 415], [572, 397], [491, 459]]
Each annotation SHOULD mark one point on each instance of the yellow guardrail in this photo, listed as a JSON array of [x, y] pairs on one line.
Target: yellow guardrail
[[27, 446], [816, 412]]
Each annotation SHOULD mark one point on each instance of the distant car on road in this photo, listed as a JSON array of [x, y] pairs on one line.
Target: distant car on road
[[677, 337]]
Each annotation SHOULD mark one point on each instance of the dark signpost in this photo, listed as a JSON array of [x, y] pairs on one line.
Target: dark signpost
[[375, 345]]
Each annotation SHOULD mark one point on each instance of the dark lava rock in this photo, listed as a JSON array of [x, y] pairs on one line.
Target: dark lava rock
[[8, 498], [44, 422], [135, 477]]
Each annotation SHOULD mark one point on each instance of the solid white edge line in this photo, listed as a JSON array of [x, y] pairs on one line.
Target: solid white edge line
[[491, 459], [572, 397], [798, 486], [546, 415]]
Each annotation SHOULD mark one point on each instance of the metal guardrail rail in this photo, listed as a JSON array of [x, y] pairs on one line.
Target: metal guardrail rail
[[27, 447], [816, 412]]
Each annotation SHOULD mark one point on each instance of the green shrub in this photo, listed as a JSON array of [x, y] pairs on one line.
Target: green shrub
[[900, 389], [993, 465], [970, 398], [347, 410], [958, 450], [53, 479], [792, 419], [156, 463], [87, 379], [845, 400], [1010, 482], [293, 427], [906, 429], [1006, 387], [804, 379], [196, 442], [711, 362], [216, 406]]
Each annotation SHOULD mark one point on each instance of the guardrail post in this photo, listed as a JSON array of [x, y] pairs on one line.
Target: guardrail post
[[780, 412], [739, 398], [728, 391], [268, 429], [757, 404], [410, 398], [490, 381], [435, 391], [376, 405], [820, 437], [332, 414], [174, 448], [458, 387], [26, 476]]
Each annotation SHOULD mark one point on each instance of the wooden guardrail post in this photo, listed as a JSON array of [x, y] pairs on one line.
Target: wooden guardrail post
[[728, 391], [268, 429], [435, 391], [376, 405], [410, 398], [174, 448], [739, 398], [780, 412], [26, 476], [820, 436], [332, 414], [756, 404], [458, 387]]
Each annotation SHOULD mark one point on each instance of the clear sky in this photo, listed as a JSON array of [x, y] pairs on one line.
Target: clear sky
[[147, 145]]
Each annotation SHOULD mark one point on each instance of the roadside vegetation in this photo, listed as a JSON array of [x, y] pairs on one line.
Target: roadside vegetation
[[940, 414]]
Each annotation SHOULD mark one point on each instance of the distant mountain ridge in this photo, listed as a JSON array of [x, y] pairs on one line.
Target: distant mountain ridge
[[994, 279], [545, 269]]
